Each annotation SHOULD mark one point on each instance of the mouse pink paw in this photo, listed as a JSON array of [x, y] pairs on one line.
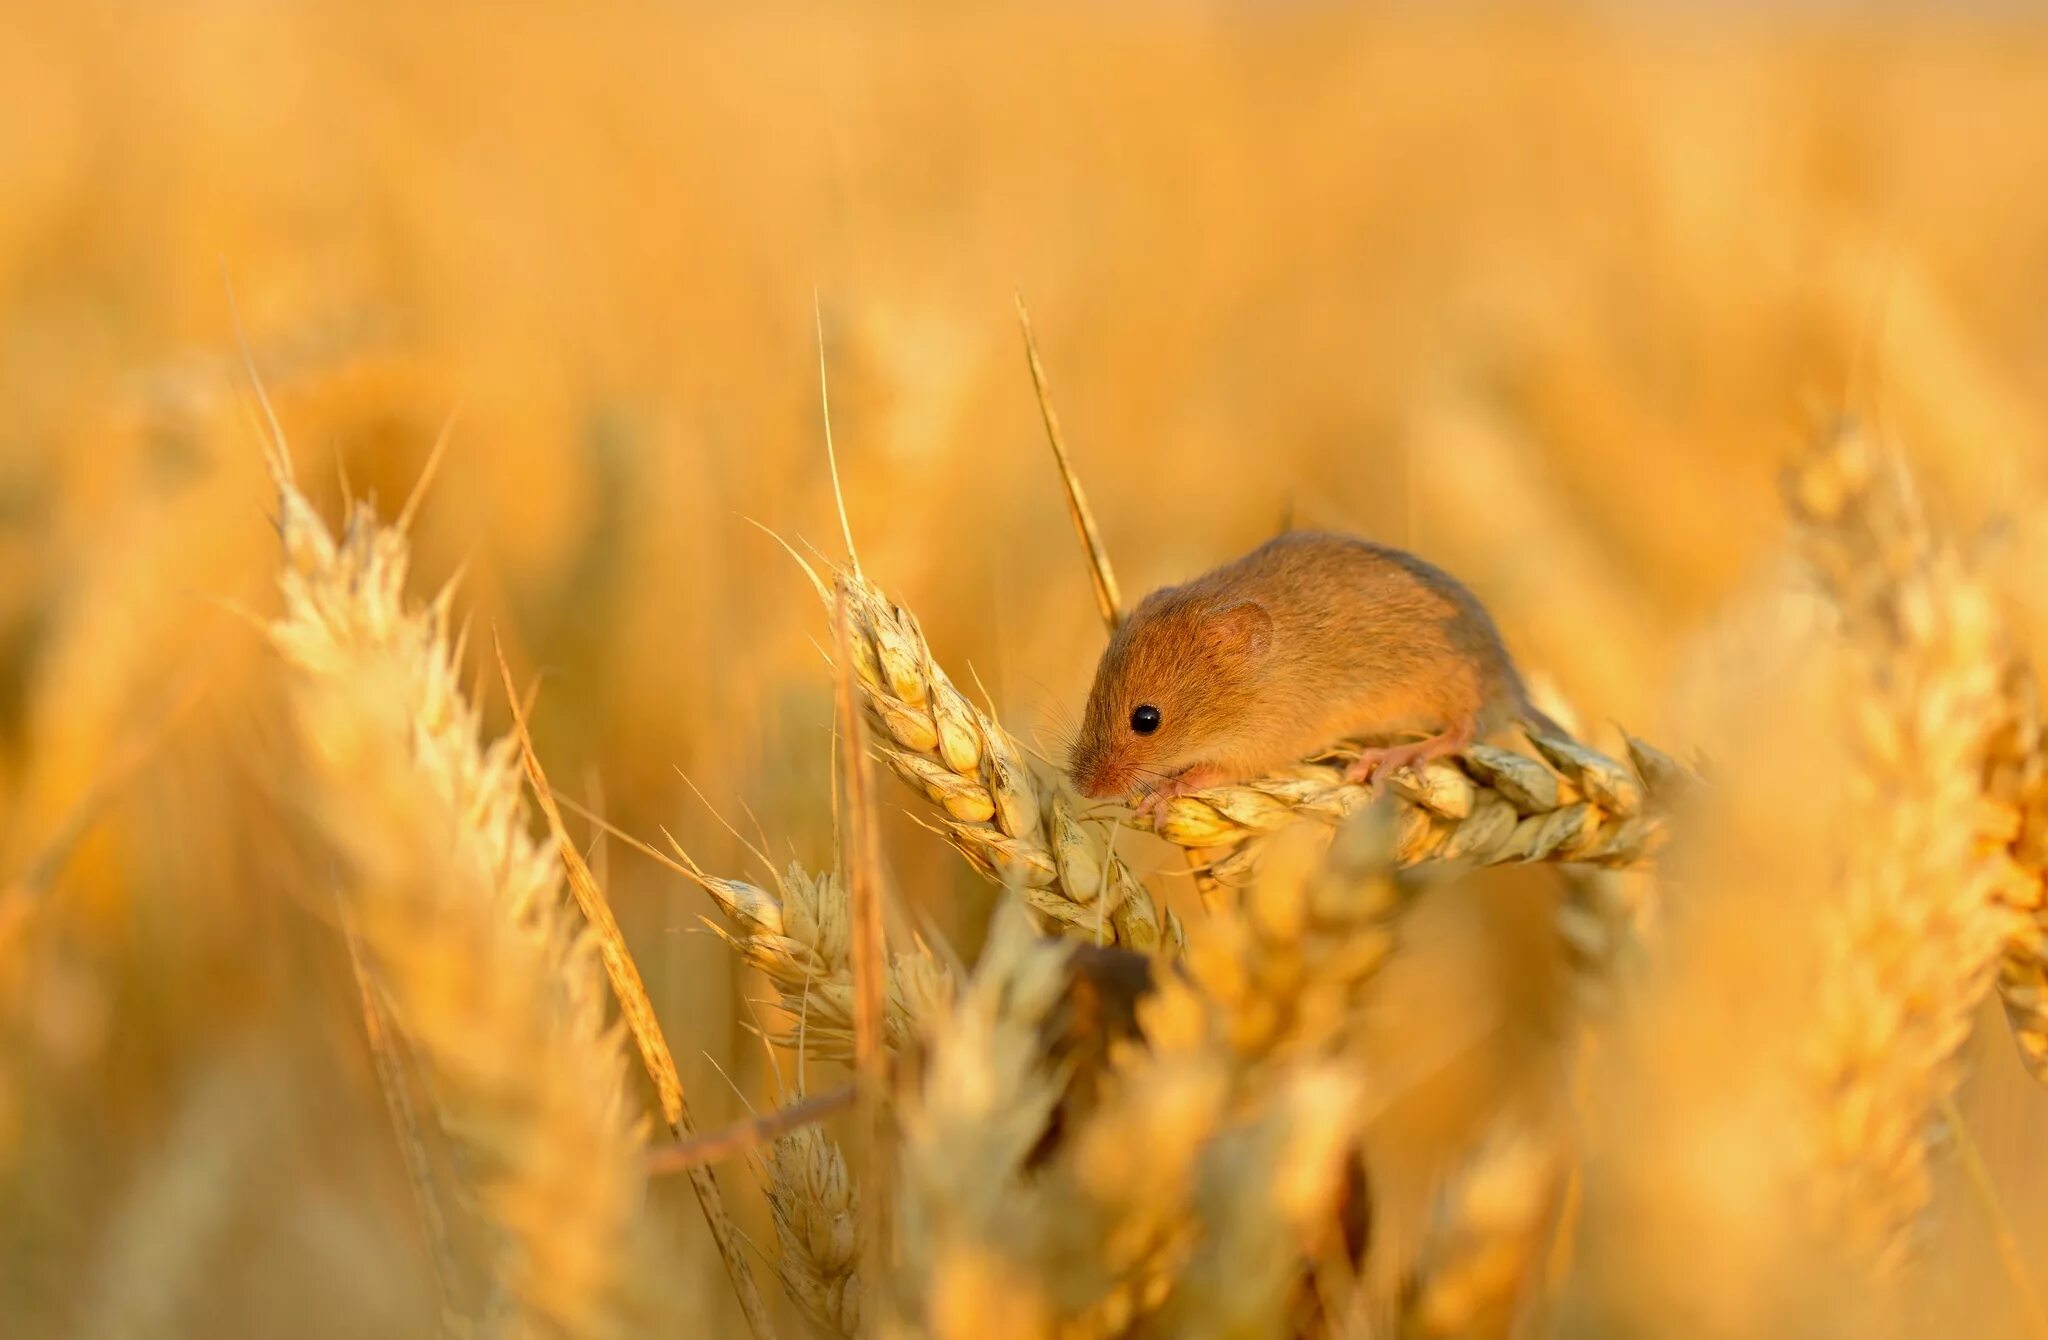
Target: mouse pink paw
[[1153, 806], [1374, 766]]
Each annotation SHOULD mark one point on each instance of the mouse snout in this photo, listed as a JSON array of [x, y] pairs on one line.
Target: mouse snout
[[1099, 777]]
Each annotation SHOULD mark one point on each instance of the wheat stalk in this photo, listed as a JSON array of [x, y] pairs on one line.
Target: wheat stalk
[[1914, 931], [462, 920], [642, 1024]]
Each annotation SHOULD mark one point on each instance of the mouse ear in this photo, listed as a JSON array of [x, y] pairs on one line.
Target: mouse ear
[[1243, 629]]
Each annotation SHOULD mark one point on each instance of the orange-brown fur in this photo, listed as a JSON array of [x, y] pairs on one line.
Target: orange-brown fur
[[1308, 640]]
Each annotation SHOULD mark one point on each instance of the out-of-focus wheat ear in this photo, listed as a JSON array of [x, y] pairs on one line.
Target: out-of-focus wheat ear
[[638, 1010], [816, 1210], [1918, 915], [1108, 600], [1482, 1255], [969, 1219], [1267, 1197], [463, 926], [1018, 828]]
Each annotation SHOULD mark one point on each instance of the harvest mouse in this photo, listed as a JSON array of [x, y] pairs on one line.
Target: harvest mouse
[[1308, 640]]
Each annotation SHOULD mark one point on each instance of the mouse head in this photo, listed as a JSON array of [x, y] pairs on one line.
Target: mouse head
[[1171, 691]]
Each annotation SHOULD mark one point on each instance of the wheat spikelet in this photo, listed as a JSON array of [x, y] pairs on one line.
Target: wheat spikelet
[[1912, 937], [1486, 1239], [1490, 805], [800, 936], [1015, 825], [462, 921], [816, 1210]]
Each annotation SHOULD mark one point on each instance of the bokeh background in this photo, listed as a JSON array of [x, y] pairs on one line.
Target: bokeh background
[[1546, 292]]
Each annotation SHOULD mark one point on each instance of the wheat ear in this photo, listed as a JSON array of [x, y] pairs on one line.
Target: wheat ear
[[1917, 916], [1015, 825], [799, 934], [1484, 1246], [816, 1209], [462, 920], [1207, 1185], [1488, 806], [967, 1216], [2017, 785]]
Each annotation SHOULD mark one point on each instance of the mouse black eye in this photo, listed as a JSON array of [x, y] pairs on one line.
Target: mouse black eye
[[1145, 719]]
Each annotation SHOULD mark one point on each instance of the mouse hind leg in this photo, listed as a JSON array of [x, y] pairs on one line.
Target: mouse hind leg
[[1374, 764], [1454, 702]]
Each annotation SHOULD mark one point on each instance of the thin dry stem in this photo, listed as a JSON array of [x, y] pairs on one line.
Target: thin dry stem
[[1108, 600], [743, 1137]]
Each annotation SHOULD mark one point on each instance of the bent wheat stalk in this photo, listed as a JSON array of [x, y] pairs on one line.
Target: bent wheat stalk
[[638, 1011]]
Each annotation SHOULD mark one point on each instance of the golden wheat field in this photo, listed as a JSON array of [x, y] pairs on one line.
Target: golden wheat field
[[480, 856]]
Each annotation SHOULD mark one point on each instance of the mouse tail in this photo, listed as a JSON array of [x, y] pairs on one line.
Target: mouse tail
[[1534, 719]]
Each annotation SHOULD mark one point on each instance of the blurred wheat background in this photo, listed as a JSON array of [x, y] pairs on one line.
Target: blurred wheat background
[[1549, 293]]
